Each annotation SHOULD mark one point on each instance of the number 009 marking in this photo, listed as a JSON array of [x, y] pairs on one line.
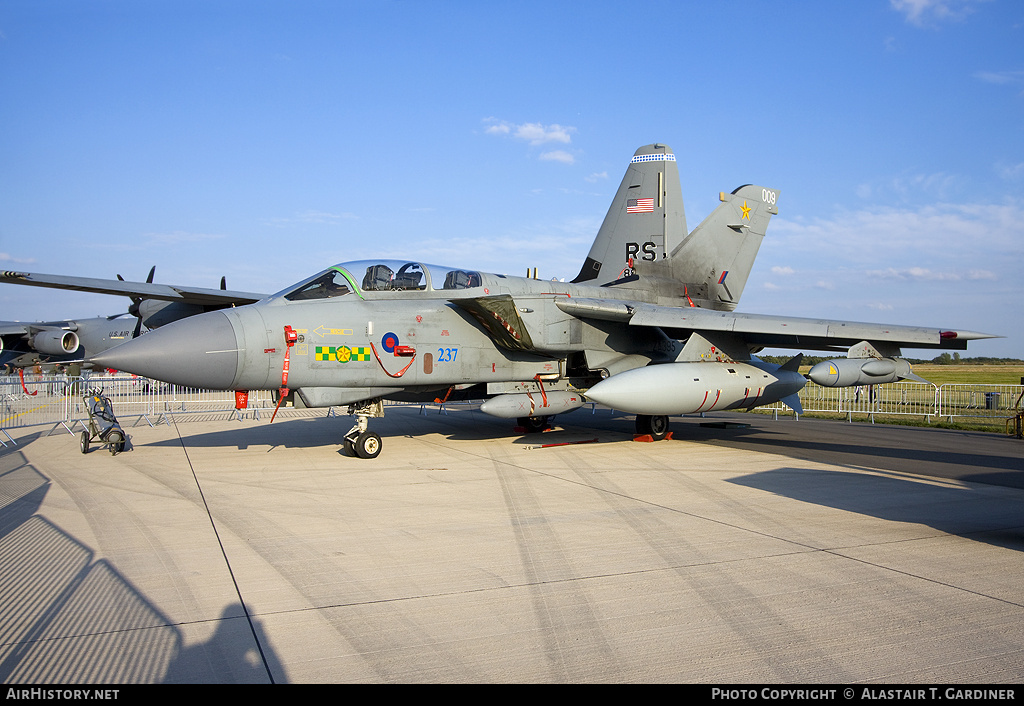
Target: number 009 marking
[[768, 197]]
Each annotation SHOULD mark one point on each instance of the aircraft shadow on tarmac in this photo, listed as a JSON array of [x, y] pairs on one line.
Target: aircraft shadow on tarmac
[[930, 452], [459, 425], [69, 618], [972, 512], [969, 511]]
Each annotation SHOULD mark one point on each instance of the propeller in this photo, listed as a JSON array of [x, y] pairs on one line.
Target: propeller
[[136, 301]]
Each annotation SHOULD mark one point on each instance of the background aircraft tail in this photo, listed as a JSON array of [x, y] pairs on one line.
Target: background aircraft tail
[[644, 236]]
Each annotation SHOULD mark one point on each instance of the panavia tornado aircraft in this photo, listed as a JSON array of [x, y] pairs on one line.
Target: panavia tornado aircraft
[[647, 327]]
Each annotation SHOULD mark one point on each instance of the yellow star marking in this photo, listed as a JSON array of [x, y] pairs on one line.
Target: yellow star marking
[[746, 210]]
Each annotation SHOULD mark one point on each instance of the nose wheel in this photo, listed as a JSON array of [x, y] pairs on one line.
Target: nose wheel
[[365, 445], [360, 441]]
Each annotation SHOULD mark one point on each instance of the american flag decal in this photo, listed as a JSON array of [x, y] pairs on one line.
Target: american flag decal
[[640, 206]]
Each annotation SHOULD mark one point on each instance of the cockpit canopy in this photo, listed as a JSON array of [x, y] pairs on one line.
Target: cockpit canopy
[[380, 276]]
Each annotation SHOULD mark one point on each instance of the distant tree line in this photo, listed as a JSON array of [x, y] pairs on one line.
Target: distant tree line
[[942, 359]]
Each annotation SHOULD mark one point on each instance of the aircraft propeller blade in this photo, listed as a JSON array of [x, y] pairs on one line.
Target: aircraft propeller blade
[[136, 301]]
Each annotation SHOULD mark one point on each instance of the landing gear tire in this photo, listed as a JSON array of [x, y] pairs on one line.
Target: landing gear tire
[[360, 441], [367, 445], [533, 425], [83, 442], [656, 425]]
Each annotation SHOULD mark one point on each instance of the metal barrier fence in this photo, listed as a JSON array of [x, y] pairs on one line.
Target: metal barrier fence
[[58, 400], [947, 401]]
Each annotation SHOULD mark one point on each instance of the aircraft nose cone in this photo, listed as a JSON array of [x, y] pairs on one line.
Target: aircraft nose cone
[[200, 351]]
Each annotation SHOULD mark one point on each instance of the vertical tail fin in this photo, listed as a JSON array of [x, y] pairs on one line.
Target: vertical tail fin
[[644, 233], [714, 261], [645, 221]]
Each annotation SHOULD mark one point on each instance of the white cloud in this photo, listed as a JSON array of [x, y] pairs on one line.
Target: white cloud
[[499, 129], [319, 217], [180, 236], [1010, 172], [553, 247], [7, 257], [557, 156], [782, 270], [928, 12], [534, 133], [323, 217], [951, 233], [1000, 78], [914, 273], [597, 177]]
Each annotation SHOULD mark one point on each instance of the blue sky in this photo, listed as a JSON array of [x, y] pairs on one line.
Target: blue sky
[[266, 140]]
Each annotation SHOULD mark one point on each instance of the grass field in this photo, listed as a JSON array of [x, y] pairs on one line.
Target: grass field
[[967, 405]]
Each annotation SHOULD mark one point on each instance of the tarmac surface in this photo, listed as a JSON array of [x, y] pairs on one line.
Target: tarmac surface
[[221, 550]]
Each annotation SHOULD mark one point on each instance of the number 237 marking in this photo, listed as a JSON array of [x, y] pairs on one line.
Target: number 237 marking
[[447, 355]]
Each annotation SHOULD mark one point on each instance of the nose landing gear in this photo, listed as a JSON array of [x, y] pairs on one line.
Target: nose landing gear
[[360, 441]]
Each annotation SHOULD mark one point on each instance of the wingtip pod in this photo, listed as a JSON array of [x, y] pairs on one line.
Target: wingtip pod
[[966, 335]]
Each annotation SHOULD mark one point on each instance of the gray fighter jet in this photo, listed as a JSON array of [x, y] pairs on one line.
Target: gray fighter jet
[[647, 327]]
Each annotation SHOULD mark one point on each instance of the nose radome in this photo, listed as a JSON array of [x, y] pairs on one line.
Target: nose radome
[[200, 351]]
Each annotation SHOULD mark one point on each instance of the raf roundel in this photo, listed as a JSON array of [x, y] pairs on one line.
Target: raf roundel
[[389, 342]]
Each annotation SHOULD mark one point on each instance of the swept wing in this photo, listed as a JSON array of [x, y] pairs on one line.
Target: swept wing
[[763, 330], [147, 290]]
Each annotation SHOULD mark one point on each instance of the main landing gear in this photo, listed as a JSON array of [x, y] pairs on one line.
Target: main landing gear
[[360, 441], [534, 425], [655, 426]]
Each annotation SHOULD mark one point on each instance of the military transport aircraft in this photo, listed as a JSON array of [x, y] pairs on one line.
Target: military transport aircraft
[[647, 327], [41, 343], [153, 305], [24, 344]]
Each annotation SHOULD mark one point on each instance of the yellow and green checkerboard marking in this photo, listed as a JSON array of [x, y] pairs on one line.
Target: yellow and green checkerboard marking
[[341, 354]]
